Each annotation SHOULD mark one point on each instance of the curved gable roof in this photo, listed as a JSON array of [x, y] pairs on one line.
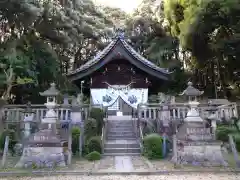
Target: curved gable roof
[[107, 50]]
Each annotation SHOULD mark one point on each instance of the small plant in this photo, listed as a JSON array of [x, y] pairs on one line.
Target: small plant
[[222, 132], [93, 156], [94, 144], [34, 165], [75, 139], [152, 144]]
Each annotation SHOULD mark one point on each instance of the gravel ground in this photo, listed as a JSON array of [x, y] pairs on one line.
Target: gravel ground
[[160, 177]]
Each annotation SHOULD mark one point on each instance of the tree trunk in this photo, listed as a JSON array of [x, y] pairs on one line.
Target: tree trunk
[[221, 76]]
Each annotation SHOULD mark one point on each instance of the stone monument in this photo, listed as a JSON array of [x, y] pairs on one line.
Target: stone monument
[[44, 149], [28, 118], [195, 143]]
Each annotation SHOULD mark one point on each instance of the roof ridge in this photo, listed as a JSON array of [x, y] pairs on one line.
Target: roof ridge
[[95, 59], [144, 60], [128, 47]]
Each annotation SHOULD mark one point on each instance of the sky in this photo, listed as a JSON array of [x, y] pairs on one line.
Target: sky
[[126, 5]]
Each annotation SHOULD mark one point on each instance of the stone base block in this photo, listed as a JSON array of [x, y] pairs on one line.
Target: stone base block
[[200, 155], [42, 157]]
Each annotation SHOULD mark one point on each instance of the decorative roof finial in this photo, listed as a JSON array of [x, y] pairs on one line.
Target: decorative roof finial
[[120, 33]]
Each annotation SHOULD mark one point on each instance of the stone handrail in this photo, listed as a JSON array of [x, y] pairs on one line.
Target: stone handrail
[[179, 111], [141, 137], [103, 136]]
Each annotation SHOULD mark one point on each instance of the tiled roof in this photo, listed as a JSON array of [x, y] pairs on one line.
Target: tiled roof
[[106, 50], [142, 59]]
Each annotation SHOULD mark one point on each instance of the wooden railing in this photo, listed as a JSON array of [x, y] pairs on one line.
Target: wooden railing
[[179, 111]]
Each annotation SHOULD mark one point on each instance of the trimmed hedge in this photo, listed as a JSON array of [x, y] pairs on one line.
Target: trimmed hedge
[[152, 144], [75, 139], [98, 115], [90, 128], [93, 156], [94, 144], [237, 141], [12, 139]]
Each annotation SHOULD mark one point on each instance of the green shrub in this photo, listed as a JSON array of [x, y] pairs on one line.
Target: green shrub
[[222, 132], [90, 128], [93, 156], [75, 139], [12, 139], [235, 123], [98, 114], [94, 144], [152, 144], [237, 141]]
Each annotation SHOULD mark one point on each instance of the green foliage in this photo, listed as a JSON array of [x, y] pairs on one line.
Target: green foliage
[[93, 156], [222, 132], [152, 144], [90, 128], [98, 115], [12, 139], [42, 40], [237, 141], [94, 144], [75, 139], [236, 123]]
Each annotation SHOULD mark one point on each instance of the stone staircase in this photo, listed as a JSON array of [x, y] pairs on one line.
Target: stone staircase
[[121, 139]]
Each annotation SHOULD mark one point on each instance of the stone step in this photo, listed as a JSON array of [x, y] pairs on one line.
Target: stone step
[[120, 123], [128, 128], [121, 138], [121, 154], [122, 145], [120, 126], [121, 150], [120, 133]]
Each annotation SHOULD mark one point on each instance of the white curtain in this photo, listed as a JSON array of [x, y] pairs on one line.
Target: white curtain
[[103, 97], [133, 97], [107, 97]]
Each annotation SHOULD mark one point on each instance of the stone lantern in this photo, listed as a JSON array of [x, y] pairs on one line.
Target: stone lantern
[[44, 148], [192, 94], [28, 118], [194, 142], [51, 116]]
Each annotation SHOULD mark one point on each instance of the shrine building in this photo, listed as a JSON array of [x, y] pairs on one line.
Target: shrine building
[[119, 78]]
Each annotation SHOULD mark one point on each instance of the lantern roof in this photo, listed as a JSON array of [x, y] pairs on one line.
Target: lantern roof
[[191, 91], [52, 91]]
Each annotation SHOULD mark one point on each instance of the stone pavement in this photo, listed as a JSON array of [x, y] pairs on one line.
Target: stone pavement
[[123, 164]]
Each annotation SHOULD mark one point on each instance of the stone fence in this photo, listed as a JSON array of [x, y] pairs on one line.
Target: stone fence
[[14, 113], [176, 111], [153, 111]]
